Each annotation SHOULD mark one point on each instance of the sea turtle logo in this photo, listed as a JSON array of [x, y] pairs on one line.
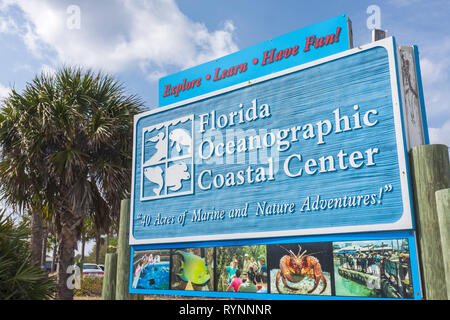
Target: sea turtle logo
[[167, 159]]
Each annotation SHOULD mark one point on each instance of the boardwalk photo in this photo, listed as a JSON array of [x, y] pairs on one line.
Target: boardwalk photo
[[379, 269]]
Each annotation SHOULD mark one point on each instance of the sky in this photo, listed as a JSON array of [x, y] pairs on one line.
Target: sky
[[139, 41]]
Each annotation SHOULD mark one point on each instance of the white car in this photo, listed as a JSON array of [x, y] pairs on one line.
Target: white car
[[92, 270]]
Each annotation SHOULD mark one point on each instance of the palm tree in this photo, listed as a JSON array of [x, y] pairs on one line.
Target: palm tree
[[20, 187], [20, 278], [73, 131]]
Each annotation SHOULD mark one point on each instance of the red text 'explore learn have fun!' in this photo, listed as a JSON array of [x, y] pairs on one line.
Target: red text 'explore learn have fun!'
[[312, 42]]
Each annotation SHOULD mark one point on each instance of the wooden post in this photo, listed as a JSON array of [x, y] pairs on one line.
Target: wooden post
[[123, 255], [430, 171], [109, 278], [443, 210], [378, 34]]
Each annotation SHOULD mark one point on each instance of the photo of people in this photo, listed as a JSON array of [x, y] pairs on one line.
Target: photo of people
[[193, 269], [377, 268], [301, 268], [242, 269], [151, 269]]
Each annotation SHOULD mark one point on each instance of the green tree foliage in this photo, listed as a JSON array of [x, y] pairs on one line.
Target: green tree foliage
[[19, 278], [103, 250], [67, 138]]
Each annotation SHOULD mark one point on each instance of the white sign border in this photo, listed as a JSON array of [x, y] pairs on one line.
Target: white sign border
[[404, 223]]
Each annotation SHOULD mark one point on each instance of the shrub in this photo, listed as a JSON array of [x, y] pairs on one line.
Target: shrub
[[90, 286], [19, 278]]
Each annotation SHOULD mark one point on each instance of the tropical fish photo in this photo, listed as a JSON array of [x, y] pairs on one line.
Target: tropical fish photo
[[192, 269]]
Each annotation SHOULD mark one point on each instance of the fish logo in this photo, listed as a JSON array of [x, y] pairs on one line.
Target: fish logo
[[155, 175], [175, 174], [193, 268]]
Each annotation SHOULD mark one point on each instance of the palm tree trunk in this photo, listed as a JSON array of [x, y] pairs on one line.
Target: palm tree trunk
[[67, 245], [97, 247], [44, 248], [55, 254], [107, 240], [36, 237], [83, 245]]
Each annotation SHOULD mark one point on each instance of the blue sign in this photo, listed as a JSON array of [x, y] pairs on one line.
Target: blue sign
[[313, 149], [307, 44]]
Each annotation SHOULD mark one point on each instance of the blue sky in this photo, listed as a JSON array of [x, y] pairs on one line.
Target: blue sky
[[139, 41]]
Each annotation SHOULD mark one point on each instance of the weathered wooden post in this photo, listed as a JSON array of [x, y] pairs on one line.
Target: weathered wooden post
[[430, 172], [109, 278], [378, 34], [123, 255], [443, 210]]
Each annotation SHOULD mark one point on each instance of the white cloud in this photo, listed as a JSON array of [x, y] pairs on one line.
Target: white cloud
[[435, 70], [7, 25], [432, 72], [440, 135], [4, 91], [117, 35], [49, 70]]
